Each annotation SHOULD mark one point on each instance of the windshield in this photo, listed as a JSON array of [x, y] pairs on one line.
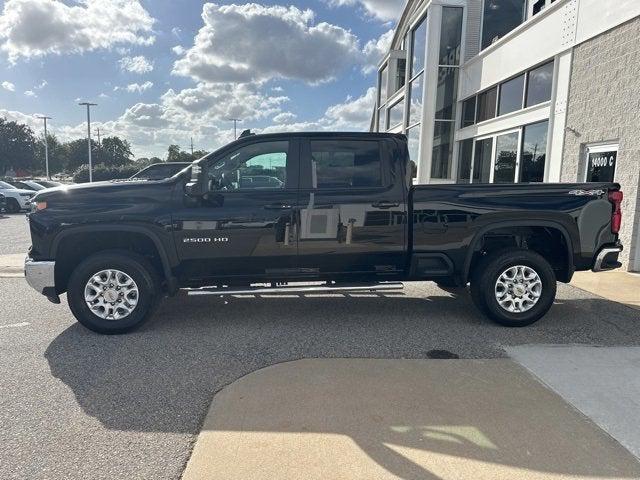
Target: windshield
[[35, 185], [6, 185]]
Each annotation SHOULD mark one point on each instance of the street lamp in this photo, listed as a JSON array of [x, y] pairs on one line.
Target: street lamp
[[46, 144], [89, 105], [235, 127]]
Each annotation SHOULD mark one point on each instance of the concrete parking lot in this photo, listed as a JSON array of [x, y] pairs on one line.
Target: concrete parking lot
[[14, 233], [78, 405]]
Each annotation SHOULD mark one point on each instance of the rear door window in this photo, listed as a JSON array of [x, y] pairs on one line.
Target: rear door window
[[339, 164]]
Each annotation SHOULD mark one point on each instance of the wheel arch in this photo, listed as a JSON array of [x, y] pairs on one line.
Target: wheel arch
[[476, 242], [126, 233]]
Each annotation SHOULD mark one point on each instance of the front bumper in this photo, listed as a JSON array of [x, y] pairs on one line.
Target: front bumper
[[607, 259], [41, 277]]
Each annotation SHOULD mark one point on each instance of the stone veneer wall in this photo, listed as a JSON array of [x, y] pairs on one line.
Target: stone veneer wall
[[604, 105]]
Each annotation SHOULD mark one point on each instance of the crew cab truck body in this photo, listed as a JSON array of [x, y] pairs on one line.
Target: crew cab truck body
[[341, 209]]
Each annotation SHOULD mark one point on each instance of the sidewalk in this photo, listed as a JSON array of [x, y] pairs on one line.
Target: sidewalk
[[408, 419], [12, 266], [618, 286]]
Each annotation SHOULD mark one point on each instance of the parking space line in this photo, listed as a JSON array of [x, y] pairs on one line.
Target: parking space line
[[15, 325]]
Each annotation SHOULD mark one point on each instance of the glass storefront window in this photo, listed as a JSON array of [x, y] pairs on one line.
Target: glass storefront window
[[534, 152], [413, 135], [468, 112], [446, 93], [419, 45], [451, 36], [487, 105], [442, 150], [540, 85], [499, 18], [401, 74], [415, 100], [482, 161], [464, 160], [511, 95], [395, 114], [383, 82], [506, 158]]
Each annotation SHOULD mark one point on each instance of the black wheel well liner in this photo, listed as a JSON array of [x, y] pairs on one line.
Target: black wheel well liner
[[166, 259], [478, 238]]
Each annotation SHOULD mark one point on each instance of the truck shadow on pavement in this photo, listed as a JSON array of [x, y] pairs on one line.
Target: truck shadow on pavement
[[162, 378]]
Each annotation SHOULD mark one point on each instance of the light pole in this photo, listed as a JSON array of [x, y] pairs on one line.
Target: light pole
[[46, 144], [235, 127], [89, 105]]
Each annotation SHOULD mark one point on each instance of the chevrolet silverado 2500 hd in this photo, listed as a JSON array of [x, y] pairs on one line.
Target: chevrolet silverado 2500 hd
[[269, 212]]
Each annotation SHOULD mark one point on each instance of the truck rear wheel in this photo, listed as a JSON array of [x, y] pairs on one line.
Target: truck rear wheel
[[514, 287], [113, 292]]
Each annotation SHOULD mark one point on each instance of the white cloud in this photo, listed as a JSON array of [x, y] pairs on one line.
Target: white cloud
[[135, 87], [138, 64], [253, 43], [351, 115], [386, 10], [30, 93], [33, 28], [41, 85], [375, 50], [179, 50], [285, 117], [9, 86]]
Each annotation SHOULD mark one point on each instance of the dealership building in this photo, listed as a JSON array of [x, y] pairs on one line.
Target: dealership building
[[506, 91]]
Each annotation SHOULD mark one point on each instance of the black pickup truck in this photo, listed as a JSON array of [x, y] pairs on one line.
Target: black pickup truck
[[315, 212]]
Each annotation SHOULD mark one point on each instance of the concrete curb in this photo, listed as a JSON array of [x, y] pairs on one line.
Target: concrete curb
[[12, 266]]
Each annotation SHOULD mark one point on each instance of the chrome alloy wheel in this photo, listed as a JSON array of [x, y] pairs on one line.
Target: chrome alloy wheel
[[518, 289], [111, 294]]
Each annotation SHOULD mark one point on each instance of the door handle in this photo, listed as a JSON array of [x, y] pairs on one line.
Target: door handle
[[277, 206], [385, 205]]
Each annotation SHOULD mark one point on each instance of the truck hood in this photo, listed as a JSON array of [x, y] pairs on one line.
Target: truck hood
[[102, 190]]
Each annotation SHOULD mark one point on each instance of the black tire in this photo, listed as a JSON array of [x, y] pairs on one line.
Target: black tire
[[489, 270], [137, 268], [12, 206]]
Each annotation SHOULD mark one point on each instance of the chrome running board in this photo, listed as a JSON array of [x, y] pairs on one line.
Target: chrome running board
[[344, 288]]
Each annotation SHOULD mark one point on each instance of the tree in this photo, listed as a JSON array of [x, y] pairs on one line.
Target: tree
[[17, 144], [77, 154], [115, 151], [176, 155], [57, 155]]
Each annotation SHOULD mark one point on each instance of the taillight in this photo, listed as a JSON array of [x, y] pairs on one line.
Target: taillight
[[616, 217]]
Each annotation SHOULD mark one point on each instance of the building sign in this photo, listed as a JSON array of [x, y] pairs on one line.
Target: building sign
[[601, 163]]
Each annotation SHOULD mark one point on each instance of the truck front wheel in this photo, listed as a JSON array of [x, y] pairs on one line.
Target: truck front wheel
[[113, 292], [514, 287]]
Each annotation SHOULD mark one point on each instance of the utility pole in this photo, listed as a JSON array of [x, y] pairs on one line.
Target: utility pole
[[192, 146], [46, 144], [99, 146], [235, 127], [89, 105]]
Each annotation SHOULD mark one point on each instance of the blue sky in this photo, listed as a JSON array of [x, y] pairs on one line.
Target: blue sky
[[165, 70]]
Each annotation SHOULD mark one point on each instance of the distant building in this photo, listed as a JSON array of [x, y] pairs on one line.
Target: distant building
[[519, 91]]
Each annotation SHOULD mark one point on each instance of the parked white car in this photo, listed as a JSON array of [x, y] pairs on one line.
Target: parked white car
[[16, 199]]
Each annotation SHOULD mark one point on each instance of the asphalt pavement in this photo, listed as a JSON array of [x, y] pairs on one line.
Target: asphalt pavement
[[14, 233], [79, 405]]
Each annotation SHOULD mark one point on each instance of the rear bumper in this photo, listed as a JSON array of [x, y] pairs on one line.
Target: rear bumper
[[41, 277], [607, 258]]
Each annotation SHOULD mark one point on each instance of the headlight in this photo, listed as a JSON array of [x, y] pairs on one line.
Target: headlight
[[27, 194], [37, 206]]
